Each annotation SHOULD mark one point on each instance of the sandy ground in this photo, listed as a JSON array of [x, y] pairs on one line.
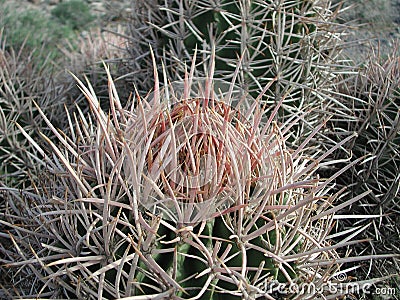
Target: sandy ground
[[376, 24]]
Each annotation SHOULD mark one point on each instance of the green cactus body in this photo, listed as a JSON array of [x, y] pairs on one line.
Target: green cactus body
[[235, 27], [291, 41], [188, 267]]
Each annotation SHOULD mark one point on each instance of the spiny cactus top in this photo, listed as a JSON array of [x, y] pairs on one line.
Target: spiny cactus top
[[202, 155]]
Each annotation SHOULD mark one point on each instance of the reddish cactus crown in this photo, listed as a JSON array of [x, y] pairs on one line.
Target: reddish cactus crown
[[203, 159], [201, 154]]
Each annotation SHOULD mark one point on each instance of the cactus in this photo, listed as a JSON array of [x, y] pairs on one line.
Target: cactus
[[294, 42], [373, 95], [113, 216], [22, 82]]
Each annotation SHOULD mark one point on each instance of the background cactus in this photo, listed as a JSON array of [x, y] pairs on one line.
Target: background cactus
[[373, 95], [297, 43], [22, 81], [87, 230]]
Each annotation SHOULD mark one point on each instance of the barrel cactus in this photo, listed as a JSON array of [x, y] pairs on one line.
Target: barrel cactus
[[373, 95], [297, 43], [186, 193]]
